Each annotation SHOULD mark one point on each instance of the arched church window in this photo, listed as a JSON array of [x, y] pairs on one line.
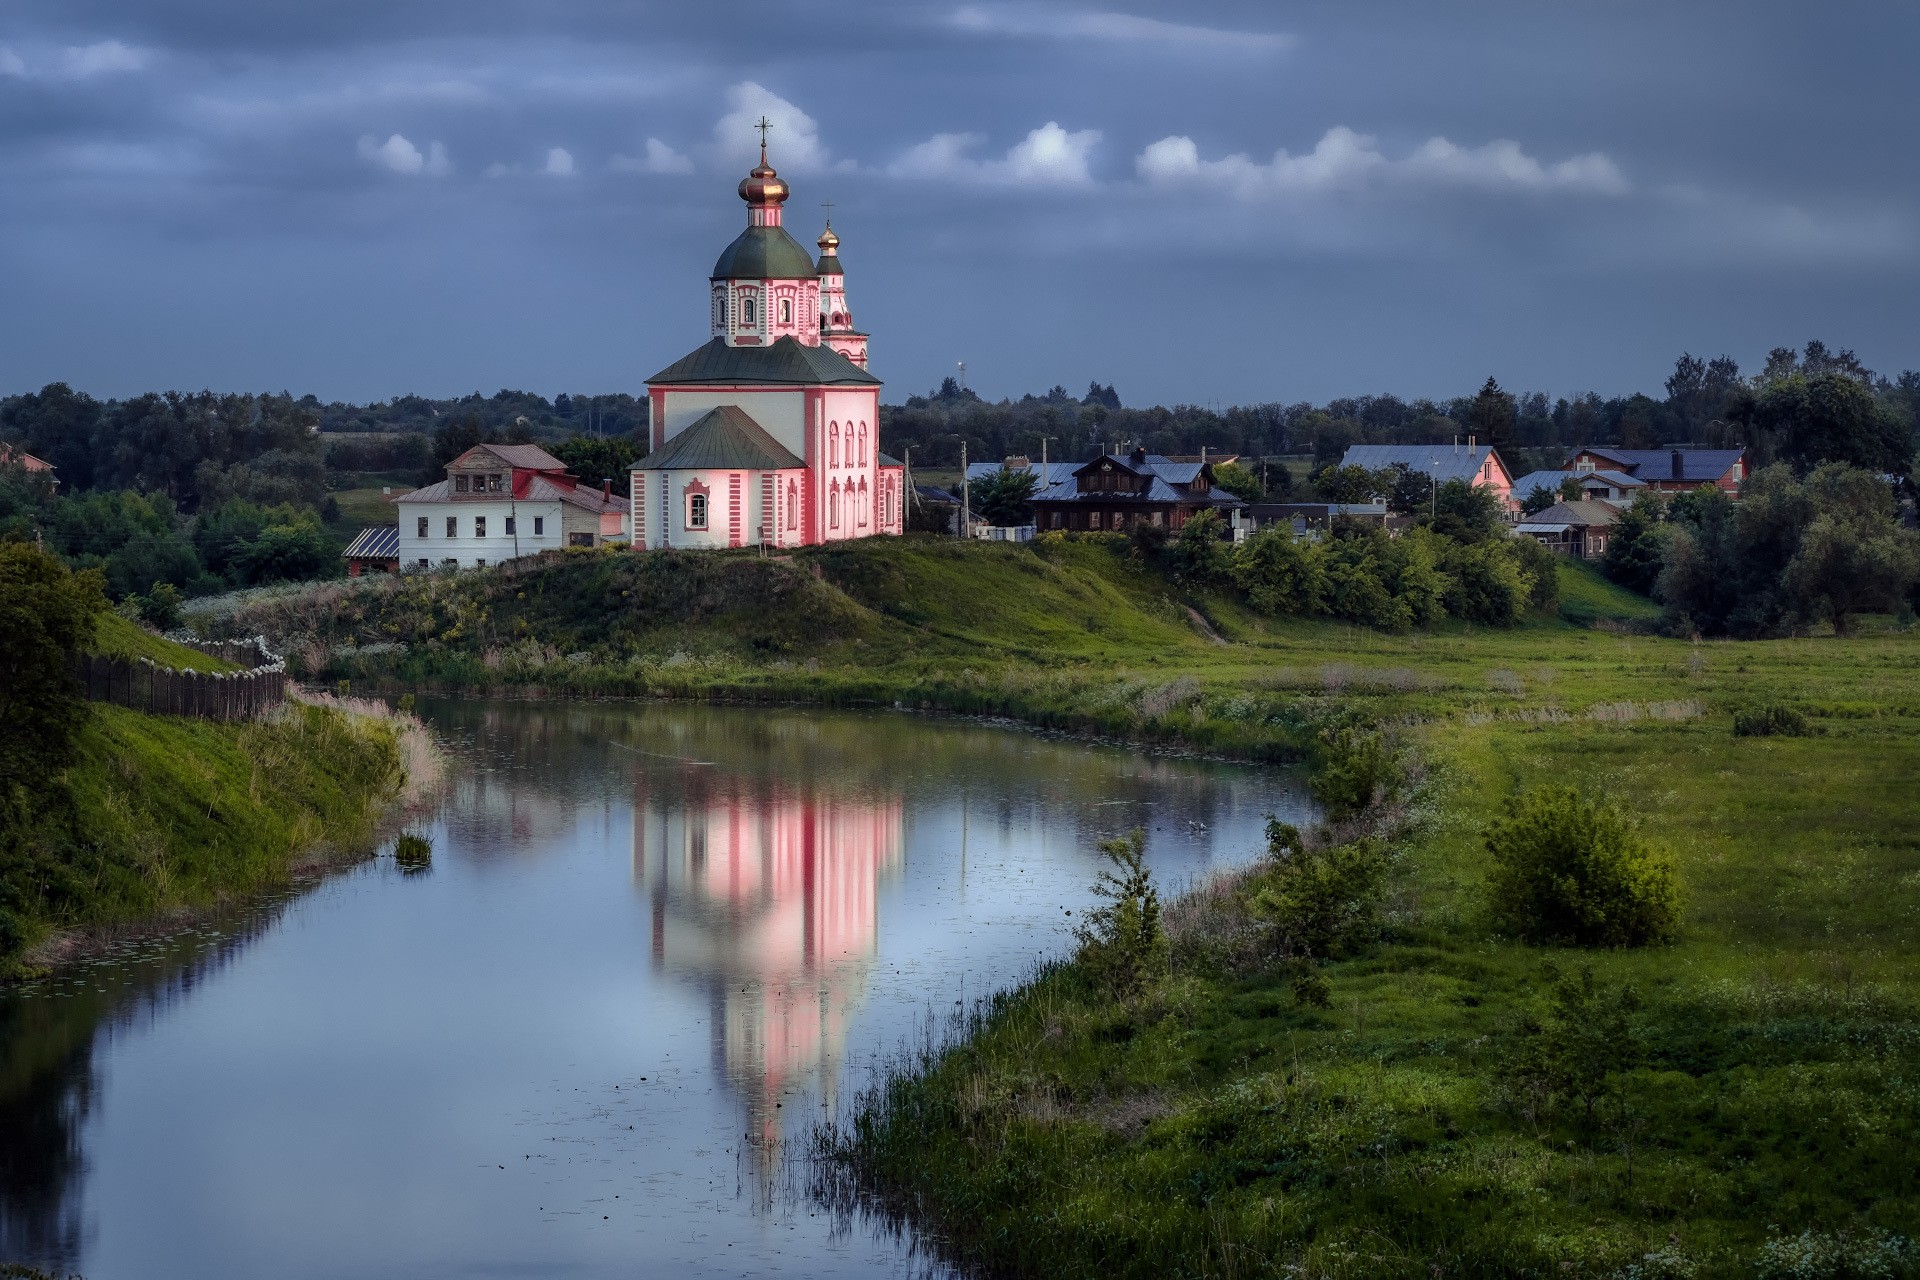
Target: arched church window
[[697, 511], [786, 311], [860, 504], [833, 444], [833, 505], [746, 311], [863, 444], [793, 505]]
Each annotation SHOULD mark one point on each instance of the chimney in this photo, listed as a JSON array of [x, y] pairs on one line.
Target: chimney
[[606, 489], [1678, 473], [1139, 456]]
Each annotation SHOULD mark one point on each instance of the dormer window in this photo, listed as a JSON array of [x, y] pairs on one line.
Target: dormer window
[[459, 484]]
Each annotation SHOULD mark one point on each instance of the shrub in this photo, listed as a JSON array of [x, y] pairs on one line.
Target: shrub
[[1568, 869], [1121, 941], [1771, 719], [1321, 901], [1587, 1038], [1358, 768]]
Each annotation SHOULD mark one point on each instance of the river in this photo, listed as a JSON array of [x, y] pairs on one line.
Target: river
[[654, 942]]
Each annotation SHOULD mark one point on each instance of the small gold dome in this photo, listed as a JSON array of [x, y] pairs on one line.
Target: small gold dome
[[828, 241], [763, 186]]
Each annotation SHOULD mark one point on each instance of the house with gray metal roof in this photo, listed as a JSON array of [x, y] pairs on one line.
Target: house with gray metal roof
[[1666, 470], [1476, 464]]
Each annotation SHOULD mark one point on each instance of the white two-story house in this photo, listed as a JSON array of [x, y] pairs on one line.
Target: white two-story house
[[500, 502]]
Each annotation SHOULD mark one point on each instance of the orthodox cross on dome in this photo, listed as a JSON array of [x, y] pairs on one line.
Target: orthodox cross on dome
[[828, 206], [763, 124]]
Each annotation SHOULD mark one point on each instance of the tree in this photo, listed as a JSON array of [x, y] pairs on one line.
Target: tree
[[1198, 554], [1238, 481], [1407, 491], [597, 458], [47, 614], [1281, 574], [1005, 498], [1466, 512], [1122, 941], [1832, 417], [1352, 483], [1493, 415], [1637, 547], [1097, 394], [1568, 869], [1853, 557]]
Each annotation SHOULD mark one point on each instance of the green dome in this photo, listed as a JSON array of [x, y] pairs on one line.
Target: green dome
[[764, 253]]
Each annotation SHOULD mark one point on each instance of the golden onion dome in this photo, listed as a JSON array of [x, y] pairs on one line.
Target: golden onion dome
[[763, 185], [828, 241]]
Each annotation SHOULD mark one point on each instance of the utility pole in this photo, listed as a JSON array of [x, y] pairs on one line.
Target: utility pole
[[966, 493]]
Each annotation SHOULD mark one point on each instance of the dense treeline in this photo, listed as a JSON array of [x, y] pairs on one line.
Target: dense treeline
[[1458, 561], [1707, 402], [1793, 552]]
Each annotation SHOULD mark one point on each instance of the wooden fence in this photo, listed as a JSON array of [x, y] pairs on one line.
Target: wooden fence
[[143, 685]]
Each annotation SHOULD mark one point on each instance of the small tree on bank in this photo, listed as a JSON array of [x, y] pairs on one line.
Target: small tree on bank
[[1122, 941]]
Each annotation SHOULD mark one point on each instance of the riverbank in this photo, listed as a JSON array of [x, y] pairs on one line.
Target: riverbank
[[164, 819], [1760, 1122]]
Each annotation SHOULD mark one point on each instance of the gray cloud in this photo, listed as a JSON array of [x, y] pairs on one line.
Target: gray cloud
[[1429, 193]]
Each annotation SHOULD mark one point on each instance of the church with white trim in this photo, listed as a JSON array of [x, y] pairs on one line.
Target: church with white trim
[[768, 435]]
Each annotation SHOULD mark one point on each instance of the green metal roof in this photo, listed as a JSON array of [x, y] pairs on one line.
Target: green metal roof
[[764, 253], [722, 439], [784, 363], [829, 265]]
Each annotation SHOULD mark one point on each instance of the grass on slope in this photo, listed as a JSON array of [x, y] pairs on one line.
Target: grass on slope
[[118, 637], [162, 813], [1586, 595]]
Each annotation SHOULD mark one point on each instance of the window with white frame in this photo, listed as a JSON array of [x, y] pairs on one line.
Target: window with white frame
[[696, 511]]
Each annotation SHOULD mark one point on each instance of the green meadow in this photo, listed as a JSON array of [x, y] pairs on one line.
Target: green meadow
[[1755, 1112]]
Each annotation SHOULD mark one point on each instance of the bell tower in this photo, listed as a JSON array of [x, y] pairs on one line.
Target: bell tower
[[836, 321]]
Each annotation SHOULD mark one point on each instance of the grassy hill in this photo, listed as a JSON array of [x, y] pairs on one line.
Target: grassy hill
[[162, 815]]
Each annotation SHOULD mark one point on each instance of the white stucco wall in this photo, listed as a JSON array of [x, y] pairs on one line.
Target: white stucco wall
[[467, 550]]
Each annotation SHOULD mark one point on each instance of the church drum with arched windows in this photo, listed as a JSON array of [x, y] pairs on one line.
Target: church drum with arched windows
[[769, 434]]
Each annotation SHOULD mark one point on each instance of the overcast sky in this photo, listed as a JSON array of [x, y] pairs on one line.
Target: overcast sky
[[1204, 202]]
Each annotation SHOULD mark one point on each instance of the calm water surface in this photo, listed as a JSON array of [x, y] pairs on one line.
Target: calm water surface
[[654, 943]]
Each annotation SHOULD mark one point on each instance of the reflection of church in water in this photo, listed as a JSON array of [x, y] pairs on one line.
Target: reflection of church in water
[[767, 893]]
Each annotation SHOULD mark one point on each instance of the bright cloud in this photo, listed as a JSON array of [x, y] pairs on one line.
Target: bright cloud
[[793, 141], [1346, 160], [1022, 20], [660, 158], [1048, 157], [398, 155], [559, 163]]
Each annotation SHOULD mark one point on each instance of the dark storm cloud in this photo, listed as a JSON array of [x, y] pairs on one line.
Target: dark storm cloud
[[1206, 201]]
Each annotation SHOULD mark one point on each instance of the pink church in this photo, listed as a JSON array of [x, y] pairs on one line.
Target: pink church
[[769, 434]]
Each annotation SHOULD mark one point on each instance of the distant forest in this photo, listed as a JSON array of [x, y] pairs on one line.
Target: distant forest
[[204, 491]]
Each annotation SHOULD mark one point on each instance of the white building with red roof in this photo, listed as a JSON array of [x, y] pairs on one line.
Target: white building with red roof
[[503, 501], [769, 434]]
